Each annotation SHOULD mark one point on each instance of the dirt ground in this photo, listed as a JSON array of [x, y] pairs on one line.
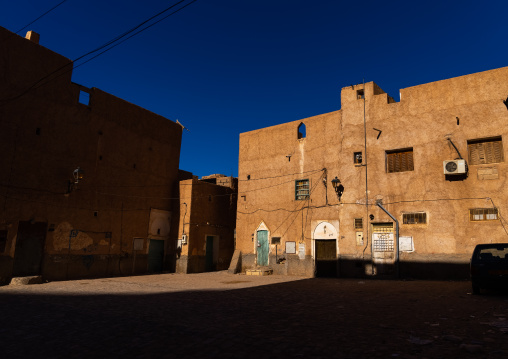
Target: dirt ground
[[219, 315]]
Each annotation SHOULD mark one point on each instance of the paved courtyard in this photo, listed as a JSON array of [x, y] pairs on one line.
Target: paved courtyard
[[219, 315]]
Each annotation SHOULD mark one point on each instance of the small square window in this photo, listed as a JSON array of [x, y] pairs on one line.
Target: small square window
[[302, 190], [399, 160], [358, 158], [360, 94], [358, 223]]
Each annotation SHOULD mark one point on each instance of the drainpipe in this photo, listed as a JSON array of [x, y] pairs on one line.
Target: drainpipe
[[396, 236]]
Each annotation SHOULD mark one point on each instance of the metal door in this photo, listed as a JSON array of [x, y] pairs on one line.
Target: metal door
[[155, 256], [326, 258], [262, 248], [29, 249]]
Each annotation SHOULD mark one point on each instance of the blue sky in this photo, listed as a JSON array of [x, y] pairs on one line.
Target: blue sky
[[223, 67]]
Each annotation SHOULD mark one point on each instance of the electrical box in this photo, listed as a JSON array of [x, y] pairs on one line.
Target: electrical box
[[454, 167], [184, 239], [359, 238]]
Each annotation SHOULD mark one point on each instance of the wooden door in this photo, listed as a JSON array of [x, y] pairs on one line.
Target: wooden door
[[326, 258]]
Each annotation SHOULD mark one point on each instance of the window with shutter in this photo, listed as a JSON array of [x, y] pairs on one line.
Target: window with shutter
[[399, 160], [487, 150]]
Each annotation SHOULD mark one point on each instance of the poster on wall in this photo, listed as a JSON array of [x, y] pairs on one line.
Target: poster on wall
[[301, 250], [291, 247], [406, 244]]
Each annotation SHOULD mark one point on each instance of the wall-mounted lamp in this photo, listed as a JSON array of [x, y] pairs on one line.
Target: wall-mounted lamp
[[338, 187], [77, 174]]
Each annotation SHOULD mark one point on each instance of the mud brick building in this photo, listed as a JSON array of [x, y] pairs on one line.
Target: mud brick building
[[207, 224], [88, 182], [379, 187]]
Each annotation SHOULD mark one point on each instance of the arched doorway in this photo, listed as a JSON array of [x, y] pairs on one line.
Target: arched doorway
[[326, 250], [262, 245]]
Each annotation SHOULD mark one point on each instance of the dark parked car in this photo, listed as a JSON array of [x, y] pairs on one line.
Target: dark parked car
[[489, 267]]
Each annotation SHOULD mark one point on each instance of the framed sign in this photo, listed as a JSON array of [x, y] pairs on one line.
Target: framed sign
[[291, 247]]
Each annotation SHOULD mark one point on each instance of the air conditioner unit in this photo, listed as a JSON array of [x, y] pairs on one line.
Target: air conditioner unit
[[454, 167]]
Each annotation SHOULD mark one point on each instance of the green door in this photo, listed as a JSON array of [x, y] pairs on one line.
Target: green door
[[209, 254], [262, 247], [155, 256]]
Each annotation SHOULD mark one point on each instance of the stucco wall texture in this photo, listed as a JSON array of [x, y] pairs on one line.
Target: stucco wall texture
[[129, 156], [206, 210], [427, 120]]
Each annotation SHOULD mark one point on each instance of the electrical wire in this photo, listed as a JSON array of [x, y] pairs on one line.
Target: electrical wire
[[501, 219], [294, 210], [291, 174], [47, 12], [116, 41]]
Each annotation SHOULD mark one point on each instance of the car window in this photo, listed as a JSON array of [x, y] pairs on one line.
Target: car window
[[491, 254]]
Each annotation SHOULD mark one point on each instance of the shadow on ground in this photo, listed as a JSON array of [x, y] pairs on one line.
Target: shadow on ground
[[318, 318]]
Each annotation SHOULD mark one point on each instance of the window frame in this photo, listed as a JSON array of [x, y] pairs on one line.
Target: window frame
[[404, 161], [484, 151], [357, 158], [412, 218], [484, 212], [299, 187]]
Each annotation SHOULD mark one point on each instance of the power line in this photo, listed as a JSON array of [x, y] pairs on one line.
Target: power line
[[47, 12], [290, 174], [110, 43]]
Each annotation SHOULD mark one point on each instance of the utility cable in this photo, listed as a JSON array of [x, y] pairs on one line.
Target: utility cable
[[114, 41], [47, 12], [290, 174]]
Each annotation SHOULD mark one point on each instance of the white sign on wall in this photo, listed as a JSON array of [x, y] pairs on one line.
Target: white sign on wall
[[301, 250], [290, 247], [406, 244]]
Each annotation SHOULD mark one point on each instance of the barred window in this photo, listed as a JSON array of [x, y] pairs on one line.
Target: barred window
[[302, 190], [399, 160], [482, 214], [414, 218], [489, 150], [358, 223]]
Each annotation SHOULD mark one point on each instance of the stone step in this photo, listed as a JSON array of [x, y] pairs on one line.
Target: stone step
[[26, 280], [262, 271]]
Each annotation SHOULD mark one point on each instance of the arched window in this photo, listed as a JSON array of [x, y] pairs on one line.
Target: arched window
[[301, 131]]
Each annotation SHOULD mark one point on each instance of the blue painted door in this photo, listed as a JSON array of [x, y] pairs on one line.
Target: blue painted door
[[262, 247]]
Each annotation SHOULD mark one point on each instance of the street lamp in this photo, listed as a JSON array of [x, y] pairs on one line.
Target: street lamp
[[77, 174], [338, 187]]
